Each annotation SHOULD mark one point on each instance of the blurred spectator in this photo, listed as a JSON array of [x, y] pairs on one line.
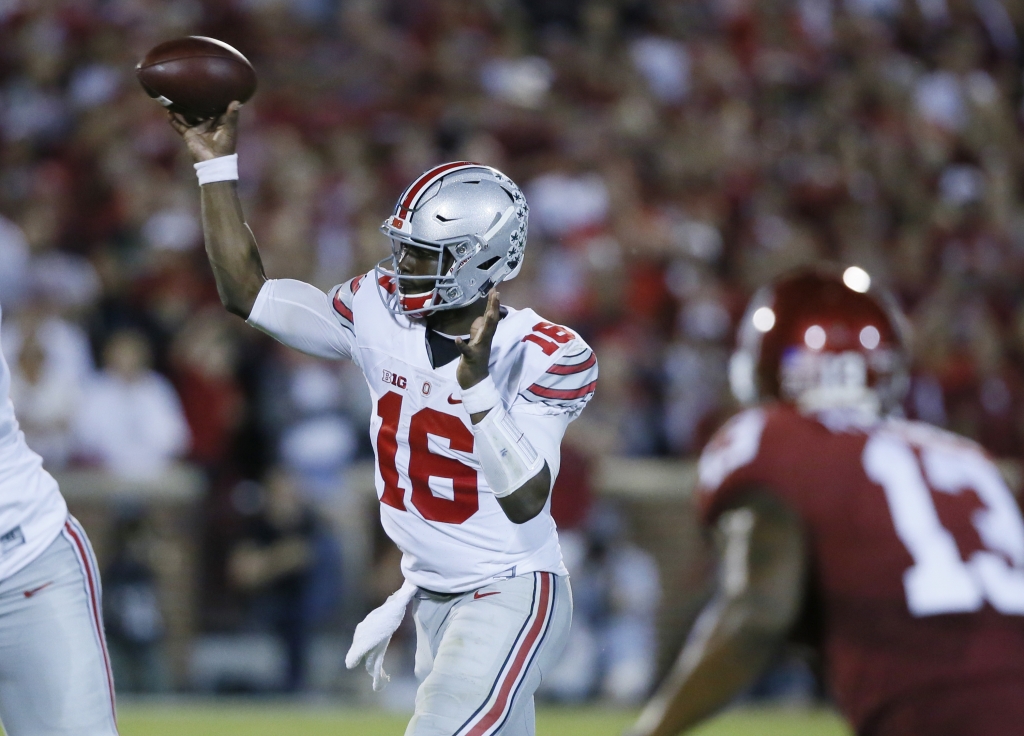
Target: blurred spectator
[[63, 342], [288, 569], [616, 593], [205, 363], [665, 65], [13, 263], [130, 419], [131, 609], [306, 415], [47, 396]]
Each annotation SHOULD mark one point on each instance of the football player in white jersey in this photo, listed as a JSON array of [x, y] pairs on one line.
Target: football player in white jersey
[[54, 670], [471, 402]]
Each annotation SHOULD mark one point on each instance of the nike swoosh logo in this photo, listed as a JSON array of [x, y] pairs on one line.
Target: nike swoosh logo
[[478, 595], [453, 400], [30, 593]]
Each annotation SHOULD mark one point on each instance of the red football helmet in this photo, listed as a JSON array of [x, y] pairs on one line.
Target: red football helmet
[[822, 339]]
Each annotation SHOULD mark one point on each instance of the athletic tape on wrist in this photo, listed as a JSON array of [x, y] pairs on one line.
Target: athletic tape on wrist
[[483, 396], [222, 168], [507, 457]]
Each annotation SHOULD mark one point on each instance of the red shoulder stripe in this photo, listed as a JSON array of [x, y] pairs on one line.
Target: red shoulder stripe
[[387, 283], [340, 308], [562, 393], [567, 370], [356, 283]]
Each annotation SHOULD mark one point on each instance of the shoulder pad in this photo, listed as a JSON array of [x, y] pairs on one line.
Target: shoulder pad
[[735, 445]]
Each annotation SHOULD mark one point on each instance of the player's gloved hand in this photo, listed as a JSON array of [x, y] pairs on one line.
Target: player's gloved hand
[[211, 138], [476, 353], [373, 634]]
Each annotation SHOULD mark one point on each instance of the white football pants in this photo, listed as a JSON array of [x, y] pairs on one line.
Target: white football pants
[[54, 671], [481, 655]]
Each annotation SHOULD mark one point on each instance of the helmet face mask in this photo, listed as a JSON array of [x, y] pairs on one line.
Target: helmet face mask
[[474, 218], [811, 339], [417, 293]]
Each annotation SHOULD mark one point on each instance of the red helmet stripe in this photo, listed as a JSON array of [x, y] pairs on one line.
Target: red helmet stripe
[[428, 178]]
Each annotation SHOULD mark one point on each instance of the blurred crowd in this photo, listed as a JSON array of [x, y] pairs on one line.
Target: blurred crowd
[[675, 154]]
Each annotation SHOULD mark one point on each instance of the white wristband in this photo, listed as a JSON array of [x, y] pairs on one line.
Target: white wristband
[[222, 168], [483, 396], [506, 455]]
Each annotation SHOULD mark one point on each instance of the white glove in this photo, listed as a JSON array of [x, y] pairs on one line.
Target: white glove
[[373, 634]]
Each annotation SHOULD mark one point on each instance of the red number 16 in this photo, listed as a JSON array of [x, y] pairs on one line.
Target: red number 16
[[554, 336], [423, 463]]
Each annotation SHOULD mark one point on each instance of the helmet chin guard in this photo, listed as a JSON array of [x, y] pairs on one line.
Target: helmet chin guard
[[474, 218]]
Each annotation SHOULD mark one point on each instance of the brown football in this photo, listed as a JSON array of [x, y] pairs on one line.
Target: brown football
[[196, 76]]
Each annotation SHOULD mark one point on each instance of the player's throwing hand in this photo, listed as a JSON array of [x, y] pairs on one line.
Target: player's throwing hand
[[476, 353], [211, 138]]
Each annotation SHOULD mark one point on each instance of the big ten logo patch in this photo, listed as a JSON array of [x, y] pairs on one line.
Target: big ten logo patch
[[394, 379]]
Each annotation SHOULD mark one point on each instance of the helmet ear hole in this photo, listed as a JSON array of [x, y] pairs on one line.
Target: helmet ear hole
[[486, 265]]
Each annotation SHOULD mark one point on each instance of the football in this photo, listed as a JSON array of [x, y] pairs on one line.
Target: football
[[196, 76]]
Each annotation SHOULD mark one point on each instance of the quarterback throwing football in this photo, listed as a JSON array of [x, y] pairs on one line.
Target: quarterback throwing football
[[471, 400], [898, 545]]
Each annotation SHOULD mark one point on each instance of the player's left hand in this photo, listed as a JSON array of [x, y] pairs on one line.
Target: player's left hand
[[476, 353]]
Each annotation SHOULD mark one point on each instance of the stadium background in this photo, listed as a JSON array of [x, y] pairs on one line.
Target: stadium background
[[675, 154]]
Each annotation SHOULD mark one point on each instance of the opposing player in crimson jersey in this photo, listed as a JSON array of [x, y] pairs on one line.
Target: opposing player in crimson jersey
[[471, 400], [900, 540]]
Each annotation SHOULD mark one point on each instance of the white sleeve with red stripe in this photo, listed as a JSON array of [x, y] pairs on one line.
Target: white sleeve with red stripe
[[303, 317], [342, 297], [565, 384]]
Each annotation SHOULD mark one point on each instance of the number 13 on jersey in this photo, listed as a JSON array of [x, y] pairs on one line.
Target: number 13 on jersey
[[940, 580]]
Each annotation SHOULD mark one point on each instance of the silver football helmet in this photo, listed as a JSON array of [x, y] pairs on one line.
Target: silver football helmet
[[471, 212]]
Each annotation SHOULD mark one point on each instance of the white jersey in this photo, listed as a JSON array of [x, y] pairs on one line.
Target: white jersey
[[435, 502], [32, 511]]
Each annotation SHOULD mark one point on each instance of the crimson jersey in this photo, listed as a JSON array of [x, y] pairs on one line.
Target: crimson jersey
[[916, 545]]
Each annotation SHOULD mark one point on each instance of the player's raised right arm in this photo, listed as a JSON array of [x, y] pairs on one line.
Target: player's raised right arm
[[230, 244]]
